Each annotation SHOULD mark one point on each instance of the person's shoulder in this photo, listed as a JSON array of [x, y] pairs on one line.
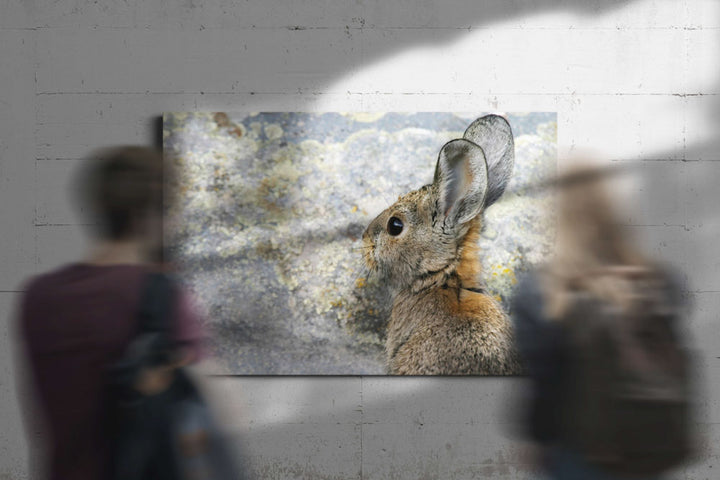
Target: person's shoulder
[[670, 273], [40, 282], [674, 284], [37, 292], [662, 275], [61, 277]]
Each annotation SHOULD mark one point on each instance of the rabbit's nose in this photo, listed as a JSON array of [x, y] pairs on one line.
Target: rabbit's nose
[[372, 231], [369, 232], [368, 240]]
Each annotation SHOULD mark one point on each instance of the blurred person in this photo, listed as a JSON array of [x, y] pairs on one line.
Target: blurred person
[[596, 331], [76, 321]]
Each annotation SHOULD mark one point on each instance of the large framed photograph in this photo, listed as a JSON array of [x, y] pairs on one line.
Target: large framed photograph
[[358, 243]]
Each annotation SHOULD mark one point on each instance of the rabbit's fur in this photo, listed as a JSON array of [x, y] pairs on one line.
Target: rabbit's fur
[[442, 322]]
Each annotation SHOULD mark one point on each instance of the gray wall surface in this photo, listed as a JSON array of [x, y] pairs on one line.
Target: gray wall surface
[[629, 79]]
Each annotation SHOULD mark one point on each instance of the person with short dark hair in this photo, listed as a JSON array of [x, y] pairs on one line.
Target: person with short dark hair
[[77, 320]]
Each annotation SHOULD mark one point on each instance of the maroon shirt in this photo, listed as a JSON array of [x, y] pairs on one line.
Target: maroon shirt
[[74, 322]]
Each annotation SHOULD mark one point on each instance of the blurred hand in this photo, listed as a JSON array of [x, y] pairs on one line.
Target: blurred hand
[[155, 380]]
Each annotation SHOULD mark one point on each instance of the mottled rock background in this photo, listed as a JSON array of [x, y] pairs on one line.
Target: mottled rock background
[[267, 210]]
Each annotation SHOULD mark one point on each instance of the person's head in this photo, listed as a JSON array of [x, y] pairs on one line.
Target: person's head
[[589, 228], [122, 188], [591, 239]]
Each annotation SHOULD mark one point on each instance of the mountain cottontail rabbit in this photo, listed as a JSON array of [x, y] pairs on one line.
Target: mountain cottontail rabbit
[[426, 246]]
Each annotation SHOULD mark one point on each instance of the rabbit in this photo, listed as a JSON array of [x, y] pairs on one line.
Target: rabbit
[[426, 247]]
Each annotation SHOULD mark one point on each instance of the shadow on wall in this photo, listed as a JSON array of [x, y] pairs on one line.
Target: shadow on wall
[[373, 34], [685, 202]]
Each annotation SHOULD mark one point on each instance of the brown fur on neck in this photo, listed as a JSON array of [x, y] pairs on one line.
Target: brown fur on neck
[[469, 267], [464, 271]]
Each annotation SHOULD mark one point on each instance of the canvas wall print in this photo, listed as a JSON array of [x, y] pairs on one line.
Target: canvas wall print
[[359, 243]]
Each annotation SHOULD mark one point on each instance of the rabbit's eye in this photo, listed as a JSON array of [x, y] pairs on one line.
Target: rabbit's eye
[[394, 226]]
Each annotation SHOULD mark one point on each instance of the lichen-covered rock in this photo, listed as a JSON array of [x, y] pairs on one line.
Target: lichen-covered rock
[[267, 212]]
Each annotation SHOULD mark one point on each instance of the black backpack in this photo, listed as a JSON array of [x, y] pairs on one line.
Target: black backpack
[[171, 435], [628, 403]]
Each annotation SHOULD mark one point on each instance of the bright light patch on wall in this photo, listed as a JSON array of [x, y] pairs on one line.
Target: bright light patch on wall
[[610, 72]]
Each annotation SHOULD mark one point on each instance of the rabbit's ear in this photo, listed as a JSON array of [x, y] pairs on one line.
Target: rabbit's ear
[[494, 135], [461, 178]]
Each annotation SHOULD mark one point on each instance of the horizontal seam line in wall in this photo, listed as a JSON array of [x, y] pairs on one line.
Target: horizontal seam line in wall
[[655, 225], [665, 160], [300, 28], [677, 225], [649, 160], [301, 92], [58, 159], [64, 224]]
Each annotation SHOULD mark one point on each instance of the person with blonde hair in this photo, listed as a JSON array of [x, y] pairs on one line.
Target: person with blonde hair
[[596, 330]]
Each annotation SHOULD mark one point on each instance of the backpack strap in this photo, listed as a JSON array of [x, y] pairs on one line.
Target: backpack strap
[[156, 309]]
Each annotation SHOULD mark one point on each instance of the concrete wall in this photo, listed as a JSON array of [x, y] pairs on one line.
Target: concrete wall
[[631, 79]]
